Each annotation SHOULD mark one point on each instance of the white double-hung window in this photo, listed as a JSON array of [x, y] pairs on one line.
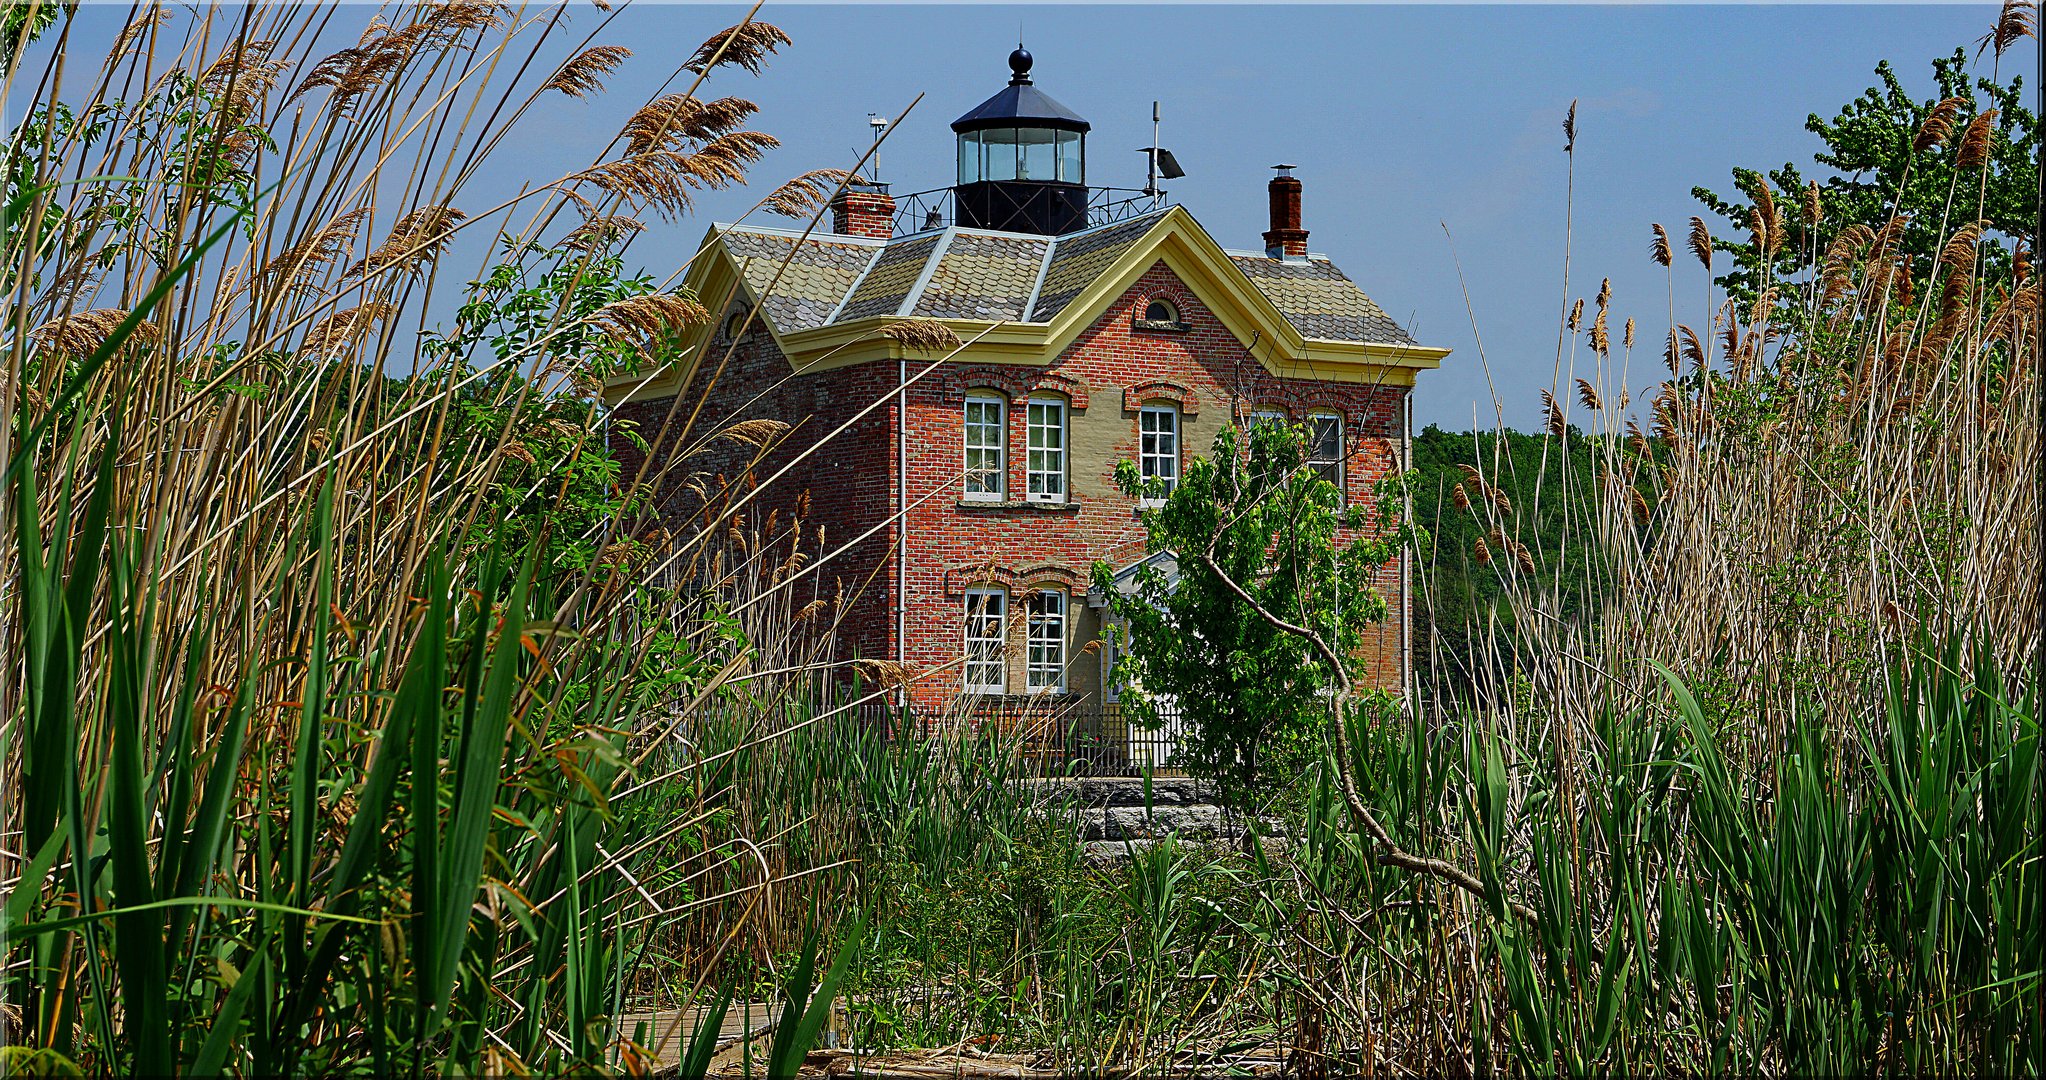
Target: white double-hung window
[[1047, 461], [987, 628], [1046, 667], [987, 465], [1158, 449], [1325, 447]]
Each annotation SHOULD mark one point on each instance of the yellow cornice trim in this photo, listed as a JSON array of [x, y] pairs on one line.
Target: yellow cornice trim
[[710, 278], [1177, 240]]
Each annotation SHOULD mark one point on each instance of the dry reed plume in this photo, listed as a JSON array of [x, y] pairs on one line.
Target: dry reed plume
[[301, 470]]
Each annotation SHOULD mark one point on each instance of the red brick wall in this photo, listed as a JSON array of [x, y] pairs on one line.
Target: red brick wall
[[1108, 372], [863, 213], [1205, 368], [844, 482]]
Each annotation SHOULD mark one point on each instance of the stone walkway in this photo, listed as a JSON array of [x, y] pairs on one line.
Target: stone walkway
[[1116, 815]]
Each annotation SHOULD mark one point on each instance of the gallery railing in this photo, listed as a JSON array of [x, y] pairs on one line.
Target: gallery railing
[[923, 211], [1094, 741]]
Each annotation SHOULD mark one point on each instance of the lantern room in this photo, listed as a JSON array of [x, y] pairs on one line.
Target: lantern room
[[1022, 160]]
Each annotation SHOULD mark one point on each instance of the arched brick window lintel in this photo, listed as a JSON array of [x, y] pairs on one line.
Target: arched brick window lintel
[[1074, 391], [1176, 301], [1016, 579], [1010, 382], [1137, 396], [1013, 382], [1307, 405]]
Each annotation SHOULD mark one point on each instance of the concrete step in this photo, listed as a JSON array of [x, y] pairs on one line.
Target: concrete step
[[1198, 822], [1117, 791], [1202, 821]]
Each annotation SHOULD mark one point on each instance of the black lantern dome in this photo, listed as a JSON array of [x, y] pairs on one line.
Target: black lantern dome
[[1022, 160]]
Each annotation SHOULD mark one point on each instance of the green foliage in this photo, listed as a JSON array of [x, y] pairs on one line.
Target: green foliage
[[532, 320], [1253, 518], [1466, 635], [23, 22], [806, 999], [1877, 173], [372, 917]]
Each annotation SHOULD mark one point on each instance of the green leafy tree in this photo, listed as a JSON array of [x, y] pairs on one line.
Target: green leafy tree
[[1257, 536], [535, 337], [1546, 497], [1970, 152], [22, 22]]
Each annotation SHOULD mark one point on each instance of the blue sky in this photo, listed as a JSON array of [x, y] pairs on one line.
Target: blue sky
[[1402, 120]]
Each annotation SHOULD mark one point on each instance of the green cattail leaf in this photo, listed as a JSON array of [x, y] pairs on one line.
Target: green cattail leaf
[[211, 1060]]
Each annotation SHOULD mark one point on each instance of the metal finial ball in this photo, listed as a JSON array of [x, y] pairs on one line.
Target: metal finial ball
[[1019, 62]]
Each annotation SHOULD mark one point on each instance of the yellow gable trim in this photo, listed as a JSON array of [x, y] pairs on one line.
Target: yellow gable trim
[[715, 280], [1177, 240]]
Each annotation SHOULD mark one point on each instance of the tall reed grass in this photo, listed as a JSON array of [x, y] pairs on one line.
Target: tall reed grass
[[360, 728], [1861, 908], [333, 651], [1768, 803]]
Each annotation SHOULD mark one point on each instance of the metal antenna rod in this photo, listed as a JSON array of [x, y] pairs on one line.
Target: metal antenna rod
[[879, 124], [1151, 177]]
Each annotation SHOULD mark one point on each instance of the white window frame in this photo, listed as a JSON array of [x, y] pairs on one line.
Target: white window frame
[[1000, 473], [993, 649], [1154, 459], [1045, 642], [1318, 464], [1111, 651], [1045, 470]]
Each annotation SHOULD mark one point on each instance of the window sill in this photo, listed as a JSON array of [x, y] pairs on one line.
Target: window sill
[[1069, 506], [1161, 327]]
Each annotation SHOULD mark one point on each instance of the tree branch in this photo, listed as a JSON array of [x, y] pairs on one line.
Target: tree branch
[[1389, 853]]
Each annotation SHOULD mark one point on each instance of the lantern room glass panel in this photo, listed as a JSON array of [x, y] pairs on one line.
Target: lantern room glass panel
[[1038, 157], [998, 159], [969, 157], [1072, 157]]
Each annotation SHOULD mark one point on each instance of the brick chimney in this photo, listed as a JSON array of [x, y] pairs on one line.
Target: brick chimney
[[864, 208], [1286, 237]]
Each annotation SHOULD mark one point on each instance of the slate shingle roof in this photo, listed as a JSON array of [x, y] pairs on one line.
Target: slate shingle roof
[[1320, 301], [974, 274], [980, 276], [809, 289], [888, 284], [1077, 260]]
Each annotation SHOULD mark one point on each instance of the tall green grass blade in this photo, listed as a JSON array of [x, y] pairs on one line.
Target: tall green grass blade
[[211, 1059], [210, 821], [805, 1008], [703, 1041], [29, 890], [312, 711], [415, 707], [172, 774], [480, 753], [51, 926], [138, 938]]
